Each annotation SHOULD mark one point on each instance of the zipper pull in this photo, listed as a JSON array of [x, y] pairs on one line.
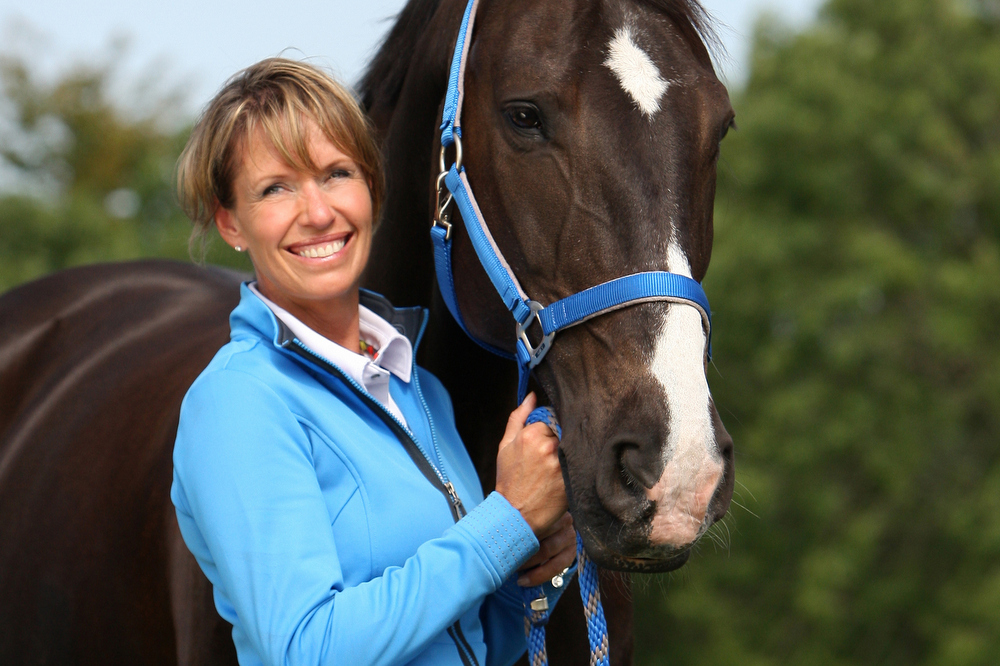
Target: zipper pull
[[454, 497]]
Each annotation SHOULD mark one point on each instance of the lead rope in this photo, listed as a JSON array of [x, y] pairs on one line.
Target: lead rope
[[536, 605]]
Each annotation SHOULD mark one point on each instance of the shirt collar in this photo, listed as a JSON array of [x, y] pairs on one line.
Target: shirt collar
[[395, 353]]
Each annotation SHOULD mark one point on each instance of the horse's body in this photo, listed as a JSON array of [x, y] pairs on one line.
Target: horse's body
[[93, 365], [94, 361]]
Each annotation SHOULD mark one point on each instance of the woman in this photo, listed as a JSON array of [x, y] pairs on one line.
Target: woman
[[318, 477]]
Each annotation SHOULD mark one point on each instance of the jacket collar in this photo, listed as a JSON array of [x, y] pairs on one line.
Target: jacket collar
[[253, 316]]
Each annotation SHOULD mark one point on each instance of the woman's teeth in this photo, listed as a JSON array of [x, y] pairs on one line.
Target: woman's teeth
[[320, 251]]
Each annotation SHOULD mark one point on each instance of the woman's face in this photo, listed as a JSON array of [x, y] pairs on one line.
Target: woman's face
[[308, 235]]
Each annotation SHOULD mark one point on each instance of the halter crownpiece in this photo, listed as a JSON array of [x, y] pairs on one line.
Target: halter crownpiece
[[453, 186]]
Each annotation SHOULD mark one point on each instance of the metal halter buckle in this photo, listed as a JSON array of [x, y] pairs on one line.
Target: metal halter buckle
[[535, 353]]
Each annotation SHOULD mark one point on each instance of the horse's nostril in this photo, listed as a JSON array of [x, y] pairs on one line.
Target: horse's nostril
[[639, 466]]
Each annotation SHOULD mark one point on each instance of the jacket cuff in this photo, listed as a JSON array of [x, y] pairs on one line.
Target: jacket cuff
[[502, 535]]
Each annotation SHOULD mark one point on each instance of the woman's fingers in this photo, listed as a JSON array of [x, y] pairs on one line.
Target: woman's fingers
[[515, 423], [559, 561], [562, 536], [565, 522]]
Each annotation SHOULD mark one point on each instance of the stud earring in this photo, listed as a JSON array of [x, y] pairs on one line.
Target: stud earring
[[238, 248]]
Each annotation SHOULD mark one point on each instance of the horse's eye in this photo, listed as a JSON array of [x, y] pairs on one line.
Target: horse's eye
[[524, 117]]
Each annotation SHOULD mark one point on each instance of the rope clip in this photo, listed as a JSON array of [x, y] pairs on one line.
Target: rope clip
[[441, 200], [441, 217]]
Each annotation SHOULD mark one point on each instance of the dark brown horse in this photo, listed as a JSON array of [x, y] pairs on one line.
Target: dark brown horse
[[592, 133]]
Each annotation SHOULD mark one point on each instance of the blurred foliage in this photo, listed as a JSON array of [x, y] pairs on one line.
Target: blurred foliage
[[855, 287], [84, 180]]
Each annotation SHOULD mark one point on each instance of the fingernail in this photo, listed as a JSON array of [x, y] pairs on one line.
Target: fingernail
[[523, 581]]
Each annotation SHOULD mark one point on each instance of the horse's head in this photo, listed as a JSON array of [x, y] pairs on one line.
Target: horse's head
[[591, 133]]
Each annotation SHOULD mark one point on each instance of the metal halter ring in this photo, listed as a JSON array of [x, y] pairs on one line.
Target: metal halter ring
[[458, 155], [539, 352]]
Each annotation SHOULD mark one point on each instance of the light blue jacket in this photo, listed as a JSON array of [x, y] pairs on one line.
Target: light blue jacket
[[325, 525]]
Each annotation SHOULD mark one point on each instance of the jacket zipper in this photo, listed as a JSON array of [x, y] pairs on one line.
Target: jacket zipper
[[461, 642], [452, 494], [464, 650], [435, 475]]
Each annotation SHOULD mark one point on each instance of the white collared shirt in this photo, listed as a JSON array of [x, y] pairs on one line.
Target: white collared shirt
[[395, 353]]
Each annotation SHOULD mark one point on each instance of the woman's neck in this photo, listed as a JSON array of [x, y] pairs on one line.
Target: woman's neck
[[336, 319]]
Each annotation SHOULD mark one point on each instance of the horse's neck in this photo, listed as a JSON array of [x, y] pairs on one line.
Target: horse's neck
[[401, 265], [483, 387], [406, 109]]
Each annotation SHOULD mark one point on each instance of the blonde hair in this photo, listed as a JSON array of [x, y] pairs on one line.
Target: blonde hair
[[275, 96]]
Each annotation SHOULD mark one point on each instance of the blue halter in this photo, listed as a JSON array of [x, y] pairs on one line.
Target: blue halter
[[592, 302], [598, 300]]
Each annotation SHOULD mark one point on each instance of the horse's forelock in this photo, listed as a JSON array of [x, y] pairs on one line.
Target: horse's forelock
[[691, 12]]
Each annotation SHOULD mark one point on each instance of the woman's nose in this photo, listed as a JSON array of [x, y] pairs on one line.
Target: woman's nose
[[318, 211]]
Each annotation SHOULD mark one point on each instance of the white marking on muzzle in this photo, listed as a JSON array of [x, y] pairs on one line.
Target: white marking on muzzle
[[693, 467], [636, 72]]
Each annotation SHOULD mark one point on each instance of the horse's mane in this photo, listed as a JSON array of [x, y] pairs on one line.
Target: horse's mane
[[384, 77]]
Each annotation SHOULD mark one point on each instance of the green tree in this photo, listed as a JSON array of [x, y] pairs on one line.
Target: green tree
[[856, 291], [87, 179]]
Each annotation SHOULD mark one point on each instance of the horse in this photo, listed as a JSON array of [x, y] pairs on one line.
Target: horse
[[592, 134]]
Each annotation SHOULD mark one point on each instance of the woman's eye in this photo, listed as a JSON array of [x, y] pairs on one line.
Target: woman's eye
[[340, 173], [271, 189], [525, 117]]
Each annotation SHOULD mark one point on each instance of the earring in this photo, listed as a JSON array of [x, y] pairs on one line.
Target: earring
[[238, 248]]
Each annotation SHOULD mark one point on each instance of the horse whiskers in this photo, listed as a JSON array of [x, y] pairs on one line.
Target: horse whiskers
[[622, 582], [720, 536], [731, 413], [749, 492], [746, 509]]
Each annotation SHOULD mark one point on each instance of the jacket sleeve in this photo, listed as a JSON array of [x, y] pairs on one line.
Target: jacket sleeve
[[252, 512]]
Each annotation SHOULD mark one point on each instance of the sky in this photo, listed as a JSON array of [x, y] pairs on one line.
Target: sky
[[194, 45]]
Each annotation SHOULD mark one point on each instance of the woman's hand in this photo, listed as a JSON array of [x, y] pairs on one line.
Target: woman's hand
[[556, 552], [528, 471]]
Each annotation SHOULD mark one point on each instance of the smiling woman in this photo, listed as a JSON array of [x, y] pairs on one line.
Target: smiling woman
[[319, 479]]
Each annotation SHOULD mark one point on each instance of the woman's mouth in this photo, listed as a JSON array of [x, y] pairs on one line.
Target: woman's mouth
[[322, 250]]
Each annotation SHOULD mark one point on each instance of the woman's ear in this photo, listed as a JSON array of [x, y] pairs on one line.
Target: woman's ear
[[228, 228]]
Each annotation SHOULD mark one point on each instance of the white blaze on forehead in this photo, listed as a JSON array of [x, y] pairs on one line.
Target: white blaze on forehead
[[636, 73], [692, 465]]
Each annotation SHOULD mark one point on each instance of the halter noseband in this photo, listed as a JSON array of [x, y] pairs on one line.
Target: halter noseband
[[603, 298]]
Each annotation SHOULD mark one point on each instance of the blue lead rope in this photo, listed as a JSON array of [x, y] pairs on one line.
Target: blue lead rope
[[537, 615]]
